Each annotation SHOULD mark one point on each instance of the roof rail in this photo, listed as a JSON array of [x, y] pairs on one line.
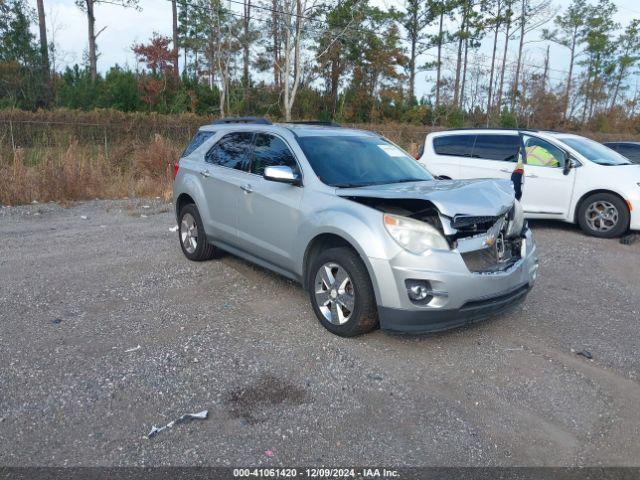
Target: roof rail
[[316, 122], [490, 128], [230, 120]]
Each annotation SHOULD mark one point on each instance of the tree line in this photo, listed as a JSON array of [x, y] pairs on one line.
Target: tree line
[[345, 60]]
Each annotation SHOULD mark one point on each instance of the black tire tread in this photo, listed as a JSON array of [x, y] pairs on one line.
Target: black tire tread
[[366, 311]]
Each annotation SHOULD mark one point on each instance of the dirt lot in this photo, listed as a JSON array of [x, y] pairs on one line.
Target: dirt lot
[[82, 287]]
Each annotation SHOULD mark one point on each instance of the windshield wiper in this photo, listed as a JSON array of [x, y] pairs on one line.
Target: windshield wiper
[[350, 185], [406, 180]]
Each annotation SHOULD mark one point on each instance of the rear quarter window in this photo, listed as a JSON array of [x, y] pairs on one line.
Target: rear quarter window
[[454, 145], [197, 140]]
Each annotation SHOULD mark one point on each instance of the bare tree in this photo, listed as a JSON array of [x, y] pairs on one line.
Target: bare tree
[[440, 7], [44, 51], [88, 6], [508, 20], [176, 53], [532, 16], [246, 43], [461, 34], [293, 17], [275, 33], [496, 21]]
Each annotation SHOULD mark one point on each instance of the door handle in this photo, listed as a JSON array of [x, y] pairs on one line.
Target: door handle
[[247, 188], [532, 175], [205, 173]]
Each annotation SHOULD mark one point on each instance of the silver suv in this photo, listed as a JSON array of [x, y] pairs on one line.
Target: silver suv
[[360, 224]]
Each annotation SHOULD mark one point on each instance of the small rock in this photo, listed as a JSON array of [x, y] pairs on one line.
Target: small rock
[[56, 320]]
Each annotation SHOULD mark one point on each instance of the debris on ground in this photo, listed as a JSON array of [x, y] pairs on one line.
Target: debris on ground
[[174, 229], [133, 349], [183, 419], [584, 353], [84, 217], [56, 320], [630, 238], [269, 453], [143, 216], [375, 376]]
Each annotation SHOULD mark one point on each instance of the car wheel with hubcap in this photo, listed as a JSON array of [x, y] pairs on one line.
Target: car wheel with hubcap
[[341, 292], [193, 239], [603, 215]]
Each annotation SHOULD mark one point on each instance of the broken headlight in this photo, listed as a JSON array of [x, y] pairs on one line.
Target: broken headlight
[[412, 235]]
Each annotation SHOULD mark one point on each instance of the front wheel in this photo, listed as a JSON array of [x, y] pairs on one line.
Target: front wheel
[[341, 293], [603, 215]]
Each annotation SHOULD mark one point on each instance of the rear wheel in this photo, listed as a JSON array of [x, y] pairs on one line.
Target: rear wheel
[[341, 293], [193, 239], [603, 215]]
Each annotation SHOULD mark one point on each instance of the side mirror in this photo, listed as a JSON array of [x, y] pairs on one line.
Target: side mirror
[[568, 165], [281, 174]]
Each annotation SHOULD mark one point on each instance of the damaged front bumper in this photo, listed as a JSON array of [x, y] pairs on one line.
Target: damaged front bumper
[[458, 297]]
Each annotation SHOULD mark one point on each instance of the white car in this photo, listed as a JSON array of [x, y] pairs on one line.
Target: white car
[[567, 177]]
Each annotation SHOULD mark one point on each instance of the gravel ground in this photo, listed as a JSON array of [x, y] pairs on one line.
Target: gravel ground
[[82, 287]]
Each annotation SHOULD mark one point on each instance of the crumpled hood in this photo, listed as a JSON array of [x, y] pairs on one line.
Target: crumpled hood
[[481, 197]]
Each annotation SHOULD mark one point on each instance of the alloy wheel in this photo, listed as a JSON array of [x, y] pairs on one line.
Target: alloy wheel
[[334, 293], [601, 216], [189, 233]]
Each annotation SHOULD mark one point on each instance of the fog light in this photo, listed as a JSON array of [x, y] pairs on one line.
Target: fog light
[[419, 291]]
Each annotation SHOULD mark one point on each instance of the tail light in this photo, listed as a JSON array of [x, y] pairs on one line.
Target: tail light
[[176, 167]]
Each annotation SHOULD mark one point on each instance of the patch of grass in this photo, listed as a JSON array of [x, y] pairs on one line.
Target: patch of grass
[[83, 172]]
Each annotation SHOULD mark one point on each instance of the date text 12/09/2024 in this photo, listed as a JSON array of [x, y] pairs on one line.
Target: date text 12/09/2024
[[315, 473]]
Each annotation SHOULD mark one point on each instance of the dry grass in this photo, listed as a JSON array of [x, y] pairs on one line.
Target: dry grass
[[79, 173], [66, 155]]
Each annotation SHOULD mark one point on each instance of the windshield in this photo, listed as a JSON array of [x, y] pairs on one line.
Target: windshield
[[596, 152], [345, 161]]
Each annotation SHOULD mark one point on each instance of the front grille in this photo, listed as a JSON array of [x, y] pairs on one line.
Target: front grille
[[488, 260], [467, 225], [499, 252]]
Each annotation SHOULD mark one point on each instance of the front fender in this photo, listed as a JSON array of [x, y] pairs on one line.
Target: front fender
[[362, 228]]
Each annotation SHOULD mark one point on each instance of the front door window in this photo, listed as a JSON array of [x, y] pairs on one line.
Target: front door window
[[542, 153]]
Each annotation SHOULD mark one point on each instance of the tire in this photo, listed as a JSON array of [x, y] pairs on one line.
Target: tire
[[195, 247], [355, 291], [603, 215]]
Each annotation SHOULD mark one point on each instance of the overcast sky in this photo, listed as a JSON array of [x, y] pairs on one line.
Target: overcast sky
[[68, 28]]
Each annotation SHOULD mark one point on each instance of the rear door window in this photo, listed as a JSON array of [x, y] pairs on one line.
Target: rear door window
[[503, 148], [454, 145], [198, 139], [231, 151], [271, 151]]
